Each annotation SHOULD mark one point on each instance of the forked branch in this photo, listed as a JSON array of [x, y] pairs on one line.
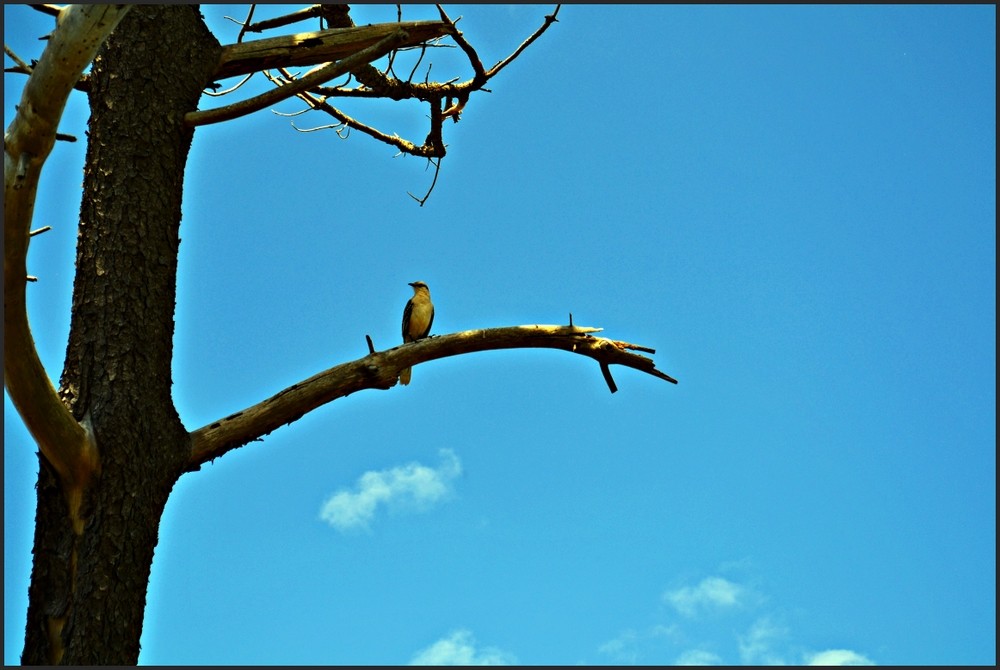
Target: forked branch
[[380, 370], [319, 76], [445, 99]]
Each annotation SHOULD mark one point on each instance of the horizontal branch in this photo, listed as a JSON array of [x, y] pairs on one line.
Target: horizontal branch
[[304, 49], [319, 76], [380, 370]]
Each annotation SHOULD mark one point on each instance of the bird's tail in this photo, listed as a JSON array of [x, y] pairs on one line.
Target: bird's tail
[[404, 376]]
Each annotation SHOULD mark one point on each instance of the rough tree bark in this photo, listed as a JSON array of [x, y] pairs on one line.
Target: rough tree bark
[[88, 589], [111, 443]]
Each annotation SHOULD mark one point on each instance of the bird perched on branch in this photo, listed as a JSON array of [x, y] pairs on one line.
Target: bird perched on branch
[[417, 319]]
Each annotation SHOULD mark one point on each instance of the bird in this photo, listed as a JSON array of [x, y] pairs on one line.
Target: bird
[[417, 319]]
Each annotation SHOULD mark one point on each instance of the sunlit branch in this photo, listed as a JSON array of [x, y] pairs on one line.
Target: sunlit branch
[[549, 20], [380, 370], [29, 139], [290, 89]]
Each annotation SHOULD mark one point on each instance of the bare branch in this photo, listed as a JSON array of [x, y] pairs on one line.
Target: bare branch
[[423, 51], [288, 19], [309, 48], [455, 95], [231, 89], [51, 10], [29, 139], [380, 370], [477, 65], [21, 65], [315, 78], [549, 20], [303, 49], [246, 22], [606, 372], [437, 171], [395, 140]]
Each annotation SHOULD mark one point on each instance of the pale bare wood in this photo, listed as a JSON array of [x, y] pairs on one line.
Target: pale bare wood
[[294, 87], [380, 370], [65, 443], [324, 46]]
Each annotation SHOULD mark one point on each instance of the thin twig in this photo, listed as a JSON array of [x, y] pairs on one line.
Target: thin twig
[[549, 20], [13, 56], [287, 19], [477, 65], [437, 170], [423, 51], [447, 99], [395, 140], [246, 22], [291, 114], [217, 94]]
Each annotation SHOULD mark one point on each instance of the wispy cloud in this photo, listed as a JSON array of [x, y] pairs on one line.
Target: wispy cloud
[[743, 630], [622, 648], [698, 657], [836, 657], [757, 644], [413, 486], [712, 593], [633, 646], [459, 648]]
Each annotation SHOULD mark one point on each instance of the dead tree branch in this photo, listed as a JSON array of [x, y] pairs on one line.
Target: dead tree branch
[[51, 10], [405, 146], [64, 442], [294, 87], [549, 20], [446, 100], [285, 20], [22, 67], [380, 370], [304, 49]]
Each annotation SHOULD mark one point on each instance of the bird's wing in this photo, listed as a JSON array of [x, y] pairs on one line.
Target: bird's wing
[[406, 321], [430, 322]]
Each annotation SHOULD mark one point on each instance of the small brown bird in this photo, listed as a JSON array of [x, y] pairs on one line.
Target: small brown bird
[[417, 319]]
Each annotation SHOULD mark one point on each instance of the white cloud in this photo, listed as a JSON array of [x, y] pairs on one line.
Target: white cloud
[[631, 646], [622, 648], [711, 593], [459, 648], [837, 657], [412, 485], [744, 626], [756, 644], [698, 657]]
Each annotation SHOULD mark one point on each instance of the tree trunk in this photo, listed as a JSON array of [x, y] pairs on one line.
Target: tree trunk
[[89, 578]]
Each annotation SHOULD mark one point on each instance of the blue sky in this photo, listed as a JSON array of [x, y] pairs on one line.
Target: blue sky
[[795, 206]]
